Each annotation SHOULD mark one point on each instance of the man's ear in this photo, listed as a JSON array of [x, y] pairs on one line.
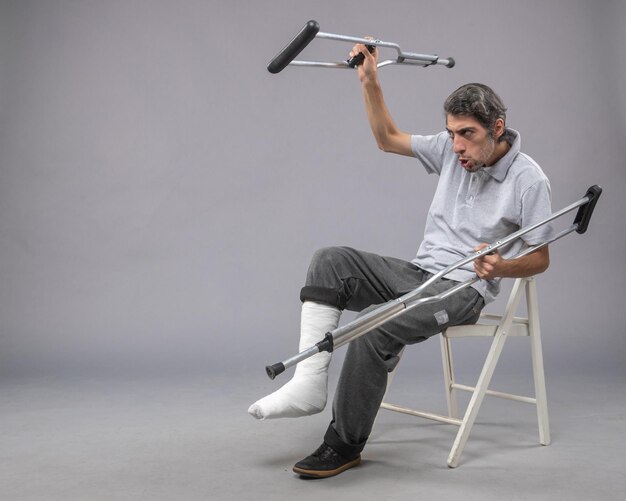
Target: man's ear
[[498, 129]]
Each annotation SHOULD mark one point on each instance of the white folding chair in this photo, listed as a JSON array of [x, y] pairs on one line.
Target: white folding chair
[[505, 325]]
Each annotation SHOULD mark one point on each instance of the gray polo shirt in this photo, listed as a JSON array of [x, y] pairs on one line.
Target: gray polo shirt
[[470, 208]]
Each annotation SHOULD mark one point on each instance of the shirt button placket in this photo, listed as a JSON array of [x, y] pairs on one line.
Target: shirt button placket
[[471, 191]]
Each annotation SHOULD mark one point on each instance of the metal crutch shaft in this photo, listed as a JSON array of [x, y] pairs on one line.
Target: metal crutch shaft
[[343, 335]]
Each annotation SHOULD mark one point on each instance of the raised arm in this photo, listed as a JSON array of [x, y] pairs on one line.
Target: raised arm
[[388, 137]]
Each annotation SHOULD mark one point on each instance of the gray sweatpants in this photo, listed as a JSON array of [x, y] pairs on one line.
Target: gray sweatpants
[[360, 281]]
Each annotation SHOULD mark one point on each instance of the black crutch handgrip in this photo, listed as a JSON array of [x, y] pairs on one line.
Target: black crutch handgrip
[[293, 48], [583, 216], [360, 57]]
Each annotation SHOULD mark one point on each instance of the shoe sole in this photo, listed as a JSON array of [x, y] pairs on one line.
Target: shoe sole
[[326, 473]]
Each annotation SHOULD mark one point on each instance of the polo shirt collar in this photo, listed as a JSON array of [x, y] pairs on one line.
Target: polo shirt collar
[[499, 170]]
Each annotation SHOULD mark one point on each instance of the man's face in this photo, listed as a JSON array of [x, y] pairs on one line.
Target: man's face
[[471, 142]]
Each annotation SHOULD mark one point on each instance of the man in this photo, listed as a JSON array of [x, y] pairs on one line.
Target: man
[[487, 189]]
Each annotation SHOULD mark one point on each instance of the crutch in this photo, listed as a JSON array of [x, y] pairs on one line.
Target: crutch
[[343, 335], [311, 30]]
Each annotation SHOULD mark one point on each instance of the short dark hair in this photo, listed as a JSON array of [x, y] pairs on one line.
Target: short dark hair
[[478, 101]]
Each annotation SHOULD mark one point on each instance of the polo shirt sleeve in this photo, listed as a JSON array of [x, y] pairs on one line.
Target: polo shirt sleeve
[[536, 207], [430, 150]]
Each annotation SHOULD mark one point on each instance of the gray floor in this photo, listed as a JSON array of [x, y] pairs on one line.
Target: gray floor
[[191, 438]]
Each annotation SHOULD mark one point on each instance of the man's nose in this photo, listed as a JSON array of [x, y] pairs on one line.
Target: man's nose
[[458, 145]]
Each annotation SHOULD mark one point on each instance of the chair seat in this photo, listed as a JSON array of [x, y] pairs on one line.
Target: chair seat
[[519, 327]]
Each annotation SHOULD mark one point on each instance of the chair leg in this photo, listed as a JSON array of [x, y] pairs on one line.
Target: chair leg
[[392, 374], [537, 361], [448, 376], [485, 376]]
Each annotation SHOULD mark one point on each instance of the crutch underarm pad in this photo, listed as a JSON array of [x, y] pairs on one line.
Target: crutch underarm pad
[[293, 48], [583, 216]]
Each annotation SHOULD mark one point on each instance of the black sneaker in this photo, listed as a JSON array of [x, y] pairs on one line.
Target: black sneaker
[[325, 462]]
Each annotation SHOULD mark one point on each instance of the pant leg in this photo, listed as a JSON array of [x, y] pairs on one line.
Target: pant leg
[[371, 357], [350, 279]]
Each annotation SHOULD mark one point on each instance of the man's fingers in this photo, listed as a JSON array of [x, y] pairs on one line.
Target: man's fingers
[[483, 269], [357, 49]]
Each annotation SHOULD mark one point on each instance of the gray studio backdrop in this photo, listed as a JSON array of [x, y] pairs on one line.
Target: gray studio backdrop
[[161, 193]]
